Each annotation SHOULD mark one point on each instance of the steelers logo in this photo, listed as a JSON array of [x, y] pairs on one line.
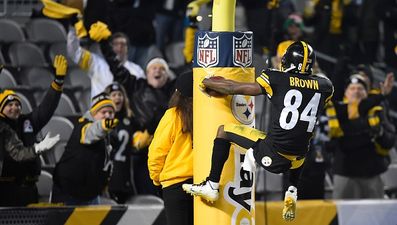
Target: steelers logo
[[243, 108], [126, 121], [266, 161]]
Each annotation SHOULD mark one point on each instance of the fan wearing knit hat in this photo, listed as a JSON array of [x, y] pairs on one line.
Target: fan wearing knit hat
[[131, 141], [356, 89], [19, 175], [170, 159], [102, 107], [84, 168], [10, 104], [361, 128], [158, 72]]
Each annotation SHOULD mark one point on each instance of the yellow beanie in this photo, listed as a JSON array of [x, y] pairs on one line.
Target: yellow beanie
[[8, 96], [99, 101]]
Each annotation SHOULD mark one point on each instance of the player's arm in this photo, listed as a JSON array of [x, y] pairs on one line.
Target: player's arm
[[231, 87]]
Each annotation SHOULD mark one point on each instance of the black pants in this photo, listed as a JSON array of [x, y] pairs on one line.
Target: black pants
[[143, 183], [15, 194], [178, 205]]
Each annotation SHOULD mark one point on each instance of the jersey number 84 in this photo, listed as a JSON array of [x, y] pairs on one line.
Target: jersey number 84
[[291, 107]]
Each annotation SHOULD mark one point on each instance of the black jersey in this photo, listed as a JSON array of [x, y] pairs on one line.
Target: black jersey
[[120, 180], [297, 101], [83, 169]]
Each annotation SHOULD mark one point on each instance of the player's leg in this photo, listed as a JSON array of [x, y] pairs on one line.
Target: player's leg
[[220, 153], [247, 138], [231, 133], [275, 162], [291, 195], [241, 135], [209, 189]]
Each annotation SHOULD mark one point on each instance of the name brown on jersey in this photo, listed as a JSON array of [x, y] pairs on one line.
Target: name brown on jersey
[[302, 83]]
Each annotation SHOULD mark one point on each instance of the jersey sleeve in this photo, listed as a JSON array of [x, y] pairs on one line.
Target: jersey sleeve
[[268, 80], [329, 93], [327, 87]]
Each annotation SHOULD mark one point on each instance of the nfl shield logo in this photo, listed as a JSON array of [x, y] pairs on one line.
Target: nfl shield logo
[[208, 51], [242, 51]]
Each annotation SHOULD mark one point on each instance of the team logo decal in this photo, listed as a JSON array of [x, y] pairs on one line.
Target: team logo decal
[[207, 51], [126, 121], [242, 51], [27, 127], [266, 161], [243, 108], [239, 192]]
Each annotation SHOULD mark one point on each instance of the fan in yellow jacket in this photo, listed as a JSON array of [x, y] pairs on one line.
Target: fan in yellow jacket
[[170, 160]]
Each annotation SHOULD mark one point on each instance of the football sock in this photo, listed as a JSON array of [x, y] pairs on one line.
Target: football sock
[[294, 176], [214, 185], [220, 153]]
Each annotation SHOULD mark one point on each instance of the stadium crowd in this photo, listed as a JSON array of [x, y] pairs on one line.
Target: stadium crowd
[[115, 70]]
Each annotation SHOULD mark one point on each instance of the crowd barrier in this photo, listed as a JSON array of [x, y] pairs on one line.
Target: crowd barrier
[[323, 212], [90, 215], [313, 212]]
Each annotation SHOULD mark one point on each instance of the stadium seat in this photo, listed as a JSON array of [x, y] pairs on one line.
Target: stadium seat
[[26, 54], [174, 54], [74, 93], [390, 180], [78, 78], [393, 154], [49, 159], [63, 127], [152, 52], [145, 200], [26, 105], [59, 48], [56, 154], [259, 63], [59, 125], [106, 201], [36, 77], [65, 106], [269, 185], [11, 31], [2, 60], [7, 80], [42, 30], [44, 186], [85, 100]]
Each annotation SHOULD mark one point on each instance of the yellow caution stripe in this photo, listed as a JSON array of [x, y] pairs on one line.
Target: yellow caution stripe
[[93, 215]]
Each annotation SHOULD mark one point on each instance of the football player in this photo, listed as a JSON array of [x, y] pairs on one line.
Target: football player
[[297, 98]]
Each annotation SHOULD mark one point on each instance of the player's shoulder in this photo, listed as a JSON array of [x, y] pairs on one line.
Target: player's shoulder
[[273, 76], [271, 72], [323, 80]]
